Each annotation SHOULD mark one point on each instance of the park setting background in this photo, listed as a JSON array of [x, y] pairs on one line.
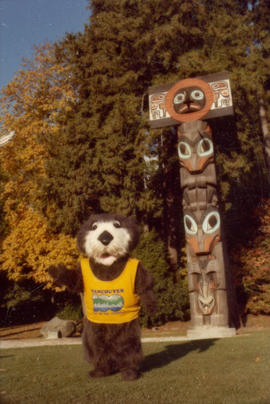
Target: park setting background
[[77, 100]]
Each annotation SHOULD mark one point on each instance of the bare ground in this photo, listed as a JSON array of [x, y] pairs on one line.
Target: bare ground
[[171, 328]]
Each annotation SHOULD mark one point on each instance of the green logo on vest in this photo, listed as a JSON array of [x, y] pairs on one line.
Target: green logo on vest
[[105, 303]]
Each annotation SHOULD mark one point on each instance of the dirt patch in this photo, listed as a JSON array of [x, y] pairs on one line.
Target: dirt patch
[[172, 328], [21, 331], [33, 330], [257, 322]]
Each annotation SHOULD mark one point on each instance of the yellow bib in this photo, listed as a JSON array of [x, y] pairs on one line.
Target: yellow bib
[[111, 302]]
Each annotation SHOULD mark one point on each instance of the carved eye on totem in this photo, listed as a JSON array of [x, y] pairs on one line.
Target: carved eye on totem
[[211, 223], [184, 150], [190, 99], [180, 97], [190, 225], [205, 147]]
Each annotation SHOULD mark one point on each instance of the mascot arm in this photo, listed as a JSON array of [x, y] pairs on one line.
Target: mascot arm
[[71, 278], [144, 288]]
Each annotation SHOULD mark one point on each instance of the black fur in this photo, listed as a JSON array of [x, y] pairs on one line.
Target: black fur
[[111, 347], [128, 222]]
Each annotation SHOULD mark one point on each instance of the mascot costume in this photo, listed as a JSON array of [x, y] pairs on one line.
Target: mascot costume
[[113, 285]]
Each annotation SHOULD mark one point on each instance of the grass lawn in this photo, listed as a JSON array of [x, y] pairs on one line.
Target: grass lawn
[[230, 370]]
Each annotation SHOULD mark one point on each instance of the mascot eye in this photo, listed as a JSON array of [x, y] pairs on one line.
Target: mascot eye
[[94, 226], [179, 98], [184, 151], [117, 224], [197, 95], [211, 223], [190, 225], [205, 147]]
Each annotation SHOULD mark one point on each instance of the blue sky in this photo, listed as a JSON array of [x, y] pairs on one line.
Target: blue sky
[[25, 23]]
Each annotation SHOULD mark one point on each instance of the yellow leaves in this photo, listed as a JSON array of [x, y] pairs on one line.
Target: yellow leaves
[[34, 94], [30, 105], [30, 249]]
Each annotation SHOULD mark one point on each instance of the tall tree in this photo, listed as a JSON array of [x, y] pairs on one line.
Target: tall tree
[[260, 12], [30, 104], [127, 46]]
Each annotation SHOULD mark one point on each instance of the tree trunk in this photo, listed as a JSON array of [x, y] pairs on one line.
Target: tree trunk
[[171, 198], [265, 131]]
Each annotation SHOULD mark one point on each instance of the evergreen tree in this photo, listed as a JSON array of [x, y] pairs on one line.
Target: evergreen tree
[[97, 163], [260, 12], [127, 46]]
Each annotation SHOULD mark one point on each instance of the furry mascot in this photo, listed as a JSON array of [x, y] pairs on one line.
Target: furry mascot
[[113, 284]]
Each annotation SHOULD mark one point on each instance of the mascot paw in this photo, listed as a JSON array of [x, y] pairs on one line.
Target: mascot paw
[[58, 273]]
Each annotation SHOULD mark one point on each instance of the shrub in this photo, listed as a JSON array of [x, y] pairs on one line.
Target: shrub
[[23, 302], [170, 288], [71, 311]]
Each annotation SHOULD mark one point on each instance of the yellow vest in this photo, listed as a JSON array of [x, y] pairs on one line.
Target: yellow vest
[[111, 302]]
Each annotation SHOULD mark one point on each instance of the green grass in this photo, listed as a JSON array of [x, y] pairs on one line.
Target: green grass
[[229, 370]]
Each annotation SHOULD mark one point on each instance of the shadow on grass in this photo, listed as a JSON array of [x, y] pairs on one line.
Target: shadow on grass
[[174, 352], [6, 356]]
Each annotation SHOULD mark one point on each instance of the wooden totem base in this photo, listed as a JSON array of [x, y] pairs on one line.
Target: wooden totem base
[[207, 332]]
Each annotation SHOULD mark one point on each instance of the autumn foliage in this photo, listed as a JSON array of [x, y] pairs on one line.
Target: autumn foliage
[[30, 104], [252, 263]]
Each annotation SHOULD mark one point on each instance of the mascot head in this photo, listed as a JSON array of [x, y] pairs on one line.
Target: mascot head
[[107, 237]]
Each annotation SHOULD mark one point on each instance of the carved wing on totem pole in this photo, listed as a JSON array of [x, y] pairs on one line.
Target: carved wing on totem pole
[[190, 100]]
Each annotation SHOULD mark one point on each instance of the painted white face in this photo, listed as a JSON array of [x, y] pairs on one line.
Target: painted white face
[[105, 242]]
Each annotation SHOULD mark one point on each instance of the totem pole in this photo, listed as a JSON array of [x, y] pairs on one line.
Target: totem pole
[[184, 104]]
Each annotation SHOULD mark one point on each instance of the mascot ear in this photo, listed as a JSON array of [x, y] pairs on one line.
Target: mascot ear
[[82, 234], [133, 222]]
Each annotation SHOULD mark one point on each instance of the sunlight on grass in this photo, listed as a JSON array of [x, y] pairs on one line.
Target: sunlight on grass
[[229, 370]]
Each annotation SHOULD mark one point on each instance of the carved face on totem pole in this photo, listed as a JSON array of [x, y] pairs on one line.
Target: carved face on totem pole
[[205, 257], [189, 100], [196, 153], [202, 235], [202, 231]]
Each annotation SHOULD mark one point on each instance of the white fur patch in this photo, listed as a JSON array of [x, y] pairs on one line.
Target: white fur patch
[[102, 254]]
